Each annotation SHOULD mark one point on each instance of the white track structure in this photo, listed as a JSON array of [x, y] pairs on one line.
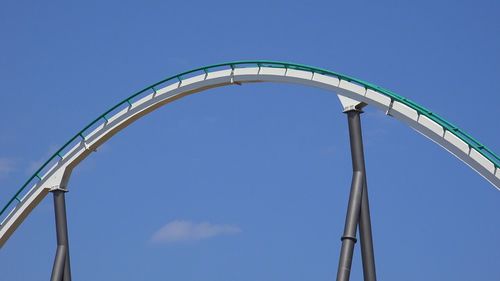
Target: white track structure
[[57, 177]]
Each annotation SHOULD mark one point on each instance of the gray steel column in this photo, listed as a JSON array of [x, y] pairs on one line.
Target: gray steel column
[[365, 228], [354, 206], [61, 270], [351, 224], [59, 262], [365, 234], [358, 208]]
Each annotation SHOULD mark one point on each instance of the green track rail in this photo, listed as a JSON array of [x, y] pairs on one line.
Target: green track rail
[[473, 143]]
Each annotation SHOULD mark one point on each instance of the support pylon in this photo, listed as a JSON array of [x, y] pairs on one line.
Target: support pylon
[[358, 210], [61, 270]]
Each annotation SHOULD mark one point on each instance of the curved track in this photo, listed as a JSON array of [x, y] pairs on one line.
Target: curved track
[[55, 172]]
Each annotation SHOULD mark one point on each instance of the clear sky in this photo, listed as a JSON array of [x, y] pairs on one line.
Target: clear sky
[[250, 183]]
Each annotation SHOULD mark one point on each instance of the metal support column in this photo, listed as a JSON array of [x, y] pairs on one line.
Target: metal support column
[[358, 208], [365, 234], [61, 270]]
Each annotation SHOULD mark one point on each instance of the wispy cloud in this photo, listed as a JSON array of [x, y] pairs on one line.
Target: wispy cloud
[[181, 230], [6, 167]]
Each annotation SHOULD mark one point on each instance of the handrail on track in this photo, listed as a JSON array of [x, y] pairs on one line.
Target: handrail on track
[[469, 140]]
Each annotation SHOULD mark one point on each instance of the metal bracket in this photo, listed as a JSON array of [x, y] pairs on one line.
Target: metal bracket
[[349, 104], [58, 188]]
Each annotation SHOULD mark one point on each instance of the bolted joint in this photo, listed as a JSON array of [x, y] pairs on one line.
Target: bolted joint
[[58, 188], [349, 104], [353, 109]]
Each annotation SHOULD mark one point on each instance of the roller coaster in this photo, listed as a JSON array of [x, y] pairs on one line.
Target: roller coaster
[[354, 94]]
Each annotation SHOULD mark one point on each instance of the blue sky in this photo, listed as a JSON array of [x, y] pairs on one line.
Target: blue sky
[[250, 183]]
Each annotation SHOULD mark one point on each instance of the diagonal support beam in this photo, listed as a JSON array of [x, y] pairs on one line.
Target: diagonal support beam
[[59, 262], [358, 211], [351, 225], [365, 234]]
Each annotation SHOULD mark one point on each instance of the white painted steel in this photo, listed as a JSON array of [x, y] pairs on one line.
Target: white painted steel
[[58, 175], [349, 104]]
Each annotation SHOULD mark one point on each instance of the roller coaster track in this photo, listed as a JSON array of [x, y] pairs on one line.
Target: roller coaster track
[[55, 172]]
